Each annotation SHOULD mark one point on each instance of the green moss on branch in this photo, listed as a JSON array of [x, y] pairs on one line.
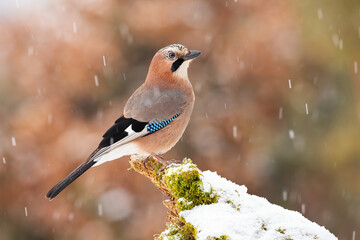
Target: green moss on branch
[[181, 183]]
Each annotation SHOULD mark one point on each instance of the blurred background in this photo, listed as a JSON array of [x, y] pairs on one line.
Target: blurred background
[[277, 108]]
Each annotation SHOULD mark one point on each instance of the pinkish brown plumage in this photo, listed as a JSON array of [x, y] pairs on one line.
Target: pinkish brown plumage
[[154, 117]]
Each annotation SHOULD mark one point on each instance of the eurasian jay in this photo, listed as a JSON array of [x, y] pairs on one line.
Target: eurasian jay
[[154, 117]]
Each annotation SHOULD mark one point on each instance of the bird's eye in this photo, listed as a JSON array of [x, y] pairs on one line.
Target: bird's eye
[[171, 54]]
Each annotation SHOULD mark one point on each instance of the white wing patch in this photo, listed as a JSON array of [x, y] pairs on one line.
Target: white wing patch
[[129, 130], [123, 147]]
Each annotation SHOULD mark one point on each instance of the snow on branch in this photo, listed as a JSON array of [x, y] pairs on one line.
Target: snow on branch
[[205, 206]]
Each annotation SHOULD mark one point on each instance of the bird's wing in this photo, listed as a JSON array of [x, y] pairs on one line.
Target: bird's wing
[[123, 131], [154, 103], [147, 111]]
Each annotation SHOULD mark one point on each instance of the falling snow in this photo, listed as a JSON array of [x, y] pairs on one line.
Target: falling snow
[[235, 131], [284, 195], [320, 13], [74, 27], [100, 209], [242, 65], [198, 87], [355, 67], [280, 113], [335, 39], [208, 38], [96, 79], [291, 134], [30, 51], [49, 118], [116, 204], [13, 141], [303, 208]]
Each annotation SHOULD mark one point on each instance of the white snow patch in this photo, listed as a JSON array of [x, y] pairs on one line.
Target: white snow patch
[[240, 215], [176, 168]]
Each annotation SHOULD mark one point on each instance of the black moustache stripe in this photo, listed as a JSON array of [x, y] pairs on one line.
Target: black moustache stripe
[[176, 64]]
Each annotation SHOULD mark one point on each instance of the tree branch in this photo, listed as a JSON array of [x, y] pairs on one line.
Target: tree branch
[[203, 205]]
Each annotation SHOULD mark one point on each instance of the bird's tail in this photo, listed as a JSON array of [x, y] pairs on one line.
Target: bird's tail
[[69, 179]]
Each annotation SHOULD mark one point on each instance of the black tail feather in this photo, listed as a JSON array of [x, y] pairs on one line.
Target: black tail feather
[[69, 179]]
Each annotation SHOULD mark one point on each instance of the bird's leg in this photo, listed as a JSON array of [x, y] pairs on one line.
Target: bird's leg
[[145, 161], [155, 157], [165, 162], [159, 158]]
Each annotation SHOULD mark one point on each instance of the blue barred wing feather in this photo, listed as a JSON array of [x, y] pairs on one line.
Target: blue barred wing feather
[[124, 130]]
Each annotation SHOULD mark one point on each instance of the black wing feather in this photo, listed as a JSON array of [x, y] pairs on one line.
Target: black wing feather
[[115, 133]]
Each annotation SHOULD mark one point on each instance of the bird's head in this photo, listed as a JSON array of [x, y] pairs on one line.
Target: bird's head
[[172, 62]]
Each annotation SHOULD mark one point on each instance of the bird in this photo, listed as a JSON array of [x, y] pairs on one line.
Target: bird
[[154, 117]]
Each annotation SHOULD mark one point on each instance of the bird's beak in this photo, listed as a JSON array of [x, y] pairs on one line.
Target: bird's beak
[[193, 54]]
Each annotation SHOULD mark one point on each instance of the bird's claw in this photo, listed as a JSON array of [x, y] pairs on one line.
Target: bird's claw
[[159, 159]]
